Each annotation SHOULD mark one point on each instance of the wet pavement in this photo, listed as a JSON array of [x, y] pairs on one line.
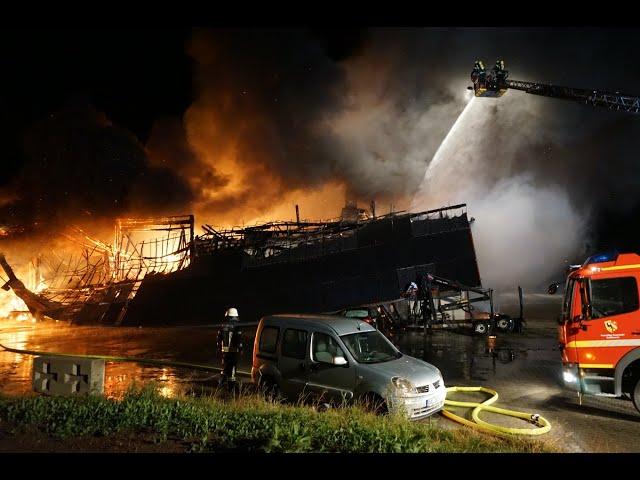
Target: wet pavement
[[184, 344], [525, 369]]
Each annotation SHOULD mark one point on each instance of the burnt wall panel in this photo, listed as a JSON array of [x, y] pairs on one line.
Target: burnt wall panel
[[312, 282]]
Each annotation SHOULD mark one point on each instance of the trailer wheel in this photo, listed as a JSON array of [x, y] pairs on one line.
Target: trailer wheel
[[504, 324], [635, 395], [480, 328]]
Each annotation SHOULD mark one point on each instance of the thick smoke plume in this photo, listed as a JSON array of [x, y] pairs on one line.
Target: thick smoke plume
[[80, 168], [535, 172], [256, 136], [524, 231]]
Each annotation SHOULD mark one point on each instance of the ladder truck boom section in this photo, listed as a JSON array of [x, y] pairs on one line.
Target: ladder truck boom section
[[495, 83]]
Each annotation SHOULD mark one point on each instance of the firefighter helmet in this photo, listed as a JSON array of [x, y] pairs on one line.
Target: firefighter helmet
[[231, 314]]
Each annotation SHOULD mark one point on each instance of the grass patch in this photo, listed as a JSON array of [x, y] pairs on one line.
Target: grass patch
[[249, 423]]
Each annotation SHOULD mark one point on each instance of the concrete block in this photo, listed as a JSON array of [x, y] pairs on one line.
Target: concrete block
[[68, 375]]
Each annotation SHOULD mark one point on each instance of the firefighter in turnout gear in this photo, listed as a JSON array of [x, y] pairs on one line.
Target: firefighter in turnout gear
[[230, 345]]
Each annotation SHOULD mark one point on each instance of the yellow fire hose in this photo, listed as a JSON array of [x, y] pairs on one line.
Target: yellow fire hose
[[542, 423]]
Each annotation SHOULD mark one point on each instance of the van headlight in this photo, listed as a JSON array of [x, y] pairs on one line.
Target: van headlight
[[402, 385]]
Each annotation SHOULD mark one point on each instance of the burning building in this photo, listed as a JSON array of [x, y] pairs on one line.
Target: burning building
[[97, 284], [167, 276]]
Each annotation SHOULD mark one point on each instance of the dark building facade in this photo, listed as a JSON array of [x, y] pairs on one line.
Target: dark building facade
[[335, 265]]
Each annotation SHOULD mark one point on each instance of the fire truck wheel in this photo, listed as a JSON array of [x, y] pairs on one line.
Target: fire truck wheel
[[635, 395]]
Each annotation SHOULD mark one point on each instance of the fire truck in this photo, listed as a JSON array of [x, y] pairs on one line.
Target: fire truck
[[599, 330]]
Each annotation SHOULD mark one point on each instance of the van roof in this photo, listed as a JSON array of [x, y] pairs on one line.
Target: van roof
[[341, 325]]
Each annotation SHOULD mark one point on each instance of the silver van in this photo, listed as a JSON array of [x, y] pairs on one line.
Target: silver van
[[337, 359]]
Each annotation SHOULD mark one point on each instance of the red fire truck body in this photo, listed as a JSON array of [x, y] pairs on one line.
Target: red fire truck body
[[599, 329]]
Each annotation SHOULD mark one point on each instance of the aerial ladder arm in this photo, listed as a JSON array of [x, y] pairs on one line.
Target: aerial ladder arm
[[596, 98], [495, 83]]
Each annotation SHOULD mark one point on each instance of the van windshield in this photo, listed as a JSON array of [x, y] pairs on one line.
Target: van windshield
[[370, 347]]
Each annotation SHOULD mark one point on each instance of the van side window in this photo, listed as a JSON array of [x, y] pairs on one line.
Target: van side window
[[613, 296], [294, 343], [324, 348], [269, 339]]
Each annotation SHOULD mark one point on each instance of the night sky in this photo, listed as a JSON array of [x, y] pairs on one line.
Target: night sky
[[60, 88], [133, 75]]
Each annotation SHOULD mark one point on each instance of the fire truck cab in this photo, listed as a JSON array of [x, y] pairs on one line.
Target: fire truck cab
[[599, 330]]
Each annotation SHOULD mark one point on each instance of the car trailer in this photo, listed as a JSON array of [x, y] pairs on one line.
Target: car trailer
[[381, 315], [438, 300], [435, 295]]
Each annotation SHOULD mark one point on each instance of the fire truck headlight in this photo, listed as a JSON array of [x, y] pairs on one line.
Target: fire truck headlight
[[569, 377]]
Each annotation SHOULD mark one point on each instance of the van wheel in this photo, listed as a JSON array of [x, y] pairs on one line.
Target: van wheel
[[269, 388], [375, 403], [635, 395], [480, 328]]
